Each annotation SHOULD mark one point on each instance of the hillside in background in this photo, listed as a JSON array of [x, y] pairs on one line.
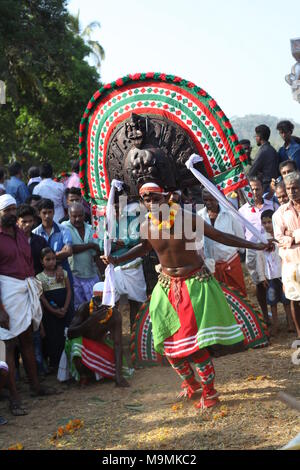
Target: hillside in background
[[245, 128]]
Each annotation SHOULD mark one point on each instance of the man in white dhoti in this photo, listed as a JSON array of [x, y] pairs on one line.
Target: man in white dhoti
[[20, 309]]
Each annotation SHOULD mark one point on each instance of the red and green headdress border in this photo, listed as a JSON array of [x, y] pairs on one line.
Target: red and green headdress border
[[237, 156]]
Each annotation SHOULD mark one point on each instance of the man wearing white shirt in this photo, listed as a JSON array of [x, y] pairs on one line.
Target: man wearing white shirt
[[256, 262], [50, 189], [275, 292], [228, 268]]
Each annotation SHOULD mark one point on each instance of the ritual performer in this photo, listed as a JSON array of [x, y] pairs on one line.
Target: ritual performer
[[89, 350], [228, 268], [19, 304], [188, 310], [129, 277]]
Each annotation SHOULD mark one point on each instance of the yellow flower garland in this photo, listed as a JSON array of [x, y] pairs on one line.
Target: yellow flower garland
[[167, 224], [107, 316]]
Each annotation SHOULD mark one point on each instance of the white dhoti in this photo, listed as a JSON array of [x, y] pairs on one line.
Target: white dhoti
[[21, 300], [130, 280]]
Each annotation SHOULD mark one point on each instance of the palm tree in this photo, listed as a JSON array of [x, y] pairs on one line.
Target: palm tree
[[97, 51]]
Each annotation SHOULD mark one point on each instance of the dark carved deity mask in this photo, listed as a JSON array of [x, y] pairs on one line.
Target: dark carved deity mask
[[150, 148]]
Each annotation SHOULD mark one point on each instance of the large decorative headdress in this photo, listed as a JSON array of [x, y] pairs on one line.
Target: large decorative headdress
[[144, 127]]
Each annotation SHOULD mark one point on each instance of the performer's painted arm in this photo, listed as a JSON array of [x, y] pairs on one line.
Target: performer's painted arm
[[137, 251], [232, 240], [226, 238]]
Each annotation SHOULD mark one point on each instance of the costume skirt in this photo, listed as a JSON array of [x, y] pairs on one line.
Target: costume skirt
[[192, 313], [96, 356]]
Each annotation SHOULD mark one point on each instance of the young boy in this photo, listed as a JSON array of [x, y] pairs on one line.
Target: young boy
[[275, 292]]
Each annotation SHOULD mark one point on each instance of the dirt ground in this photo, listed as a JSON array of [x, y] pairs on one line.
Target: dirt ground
[[148, 416]]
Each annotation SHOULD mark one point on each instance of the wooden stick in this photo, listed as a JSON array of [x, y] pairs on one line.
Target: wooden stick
[[289, 400]]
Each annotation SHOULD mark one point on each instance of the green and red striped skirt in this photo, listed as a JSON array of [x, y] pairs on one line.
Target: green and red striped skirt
[[191, 313]]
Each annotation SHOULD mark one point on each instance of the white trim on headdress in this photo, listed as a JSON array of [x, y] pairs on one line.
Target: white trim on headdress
[[151, 188]]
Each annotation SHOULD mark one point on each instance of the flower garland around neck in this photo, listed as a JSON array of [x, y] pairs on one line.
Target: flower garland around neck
[[166, 224], [107, 316]]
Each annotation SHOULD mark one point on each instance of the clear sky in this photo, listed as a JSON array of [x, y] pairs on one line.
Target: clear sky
[[237, 50]]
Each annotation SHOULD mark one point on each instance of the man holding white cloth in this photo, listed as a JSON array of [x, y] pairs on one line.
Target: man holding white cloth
[[19, 300]]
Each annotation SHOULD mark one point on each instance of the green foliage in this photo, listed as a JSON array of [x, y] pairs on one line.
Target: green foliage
[[49, 82]]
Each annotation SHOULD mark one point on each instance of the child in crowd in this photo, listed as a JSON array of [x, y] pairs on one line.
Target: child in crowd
[[275, 292], [58, 311]]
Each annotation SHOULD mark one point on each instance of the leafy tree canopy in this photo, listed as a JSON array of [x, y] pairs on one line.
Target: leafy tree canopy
[[42, 62]]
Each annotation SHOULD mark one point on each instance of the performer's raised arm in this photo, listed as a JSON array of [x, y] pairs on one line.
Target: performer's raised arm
[[232, 240], [228, 239]]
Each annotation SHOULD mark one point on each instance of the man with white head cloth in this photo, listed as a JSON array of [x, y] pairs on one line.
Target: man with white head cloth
[[89, 353], [19, 300]]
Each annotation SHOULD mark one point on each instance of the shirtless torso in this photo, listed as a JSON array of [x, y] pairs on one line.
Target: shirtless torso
[[178, 256]]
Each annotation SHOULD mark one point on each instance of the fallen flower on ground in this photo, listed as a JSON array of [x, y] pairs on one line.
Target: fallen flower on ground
[[177, 406], [72, 426], [17, 446]]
